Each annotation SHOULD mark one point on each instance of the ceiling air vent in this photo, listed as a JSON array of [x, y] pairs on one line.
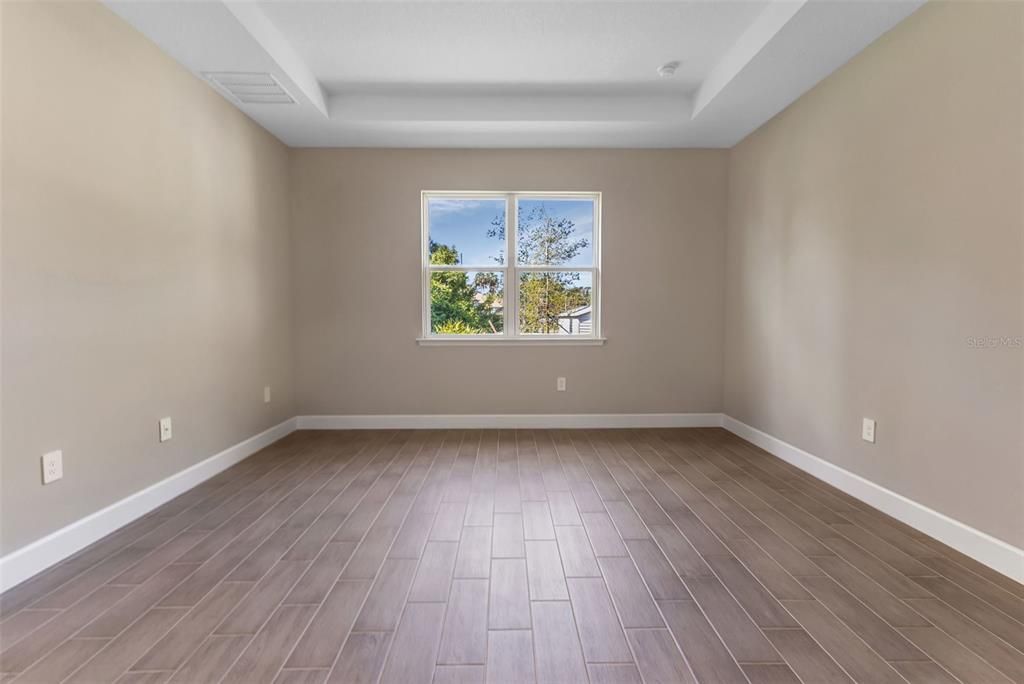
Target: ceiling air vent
[[249, 88]]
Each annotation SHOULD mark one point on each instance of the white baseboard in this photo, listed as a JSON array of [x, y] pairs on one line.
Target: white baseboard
[[995, 553], [29, 560], [526, 420]]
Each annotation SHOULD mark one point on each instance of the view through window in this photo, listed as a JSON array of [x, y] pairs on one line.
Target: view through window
[[548, 289]]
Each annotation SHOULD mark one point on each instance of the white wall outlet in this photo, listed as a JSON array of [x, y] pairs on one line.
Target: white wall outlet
[[560, 384], [867, 430], [165, 429], [53, 466], [266, 394]]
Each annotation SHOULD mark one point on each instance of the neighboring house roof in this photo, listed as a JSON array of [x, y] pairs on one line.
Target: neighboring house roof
[[576, 312]]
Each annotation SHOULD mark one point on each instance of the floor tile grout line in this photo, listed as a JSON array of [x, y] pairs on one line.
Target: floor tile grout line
[[802, 476], [809, 513], [807, 480], [100, 587], [732, 555], [419, 560], [561, 562], [341, 571], [881, 560], [604, 581], [869, 646], [153, 606], [814, 485], [437, 450], [1010, 595], [350, 458], [308, 463], [657, 603], [841, 621], [977, 625], [724, 585], [856, 598], [385, 439], [652, 458], [408, 436], [971, 593], [783, 602], [452, 579], [939, 628], [759, 466], [513, 458], [344, 471], [368, 444], [973, 570], [1009, 677], [809, 633], [131, 542], [123, 544], [526, 562], [655, 541], [629, 554], [941, 601], [900, 600]]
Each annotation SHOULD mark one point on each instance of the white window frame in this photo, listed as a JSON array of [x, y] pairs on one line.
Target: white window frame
[[510, 271]]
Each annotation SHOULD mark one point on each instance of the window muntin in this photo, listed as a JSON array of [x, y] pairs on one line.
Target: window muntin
[[549, 292]]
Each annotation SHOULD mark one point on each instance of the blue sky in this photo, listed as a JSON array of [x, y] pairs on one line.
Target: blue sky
[[464, 223]]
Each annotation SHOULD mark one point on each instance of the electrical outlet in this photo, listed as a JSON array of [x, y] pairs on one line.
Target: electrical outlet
[[53, 466], [165, 429], [266, 394], [560, 384], [867, 431]]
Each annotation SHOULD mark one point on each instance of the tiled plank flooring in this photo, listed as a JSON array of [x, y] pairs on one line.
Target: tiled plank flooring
[[514, 556]]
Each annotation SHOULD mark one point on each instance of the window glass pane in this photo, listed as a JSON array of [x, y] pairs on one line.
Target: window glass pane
[[556, 303], [466, 302], [555, 232], [466, 231]]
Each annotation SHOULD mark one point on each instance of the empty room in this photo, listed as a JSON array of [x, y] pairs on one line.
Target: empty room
[[512, 341]]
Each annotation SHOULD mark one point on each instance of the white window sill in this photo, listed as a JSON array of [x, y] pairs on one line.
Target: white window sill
[[501, 341]]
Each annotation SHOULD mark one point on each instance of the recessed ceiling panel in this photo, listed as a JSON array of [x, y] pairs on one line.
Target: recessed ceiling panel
[[554, 73], [605, 45]]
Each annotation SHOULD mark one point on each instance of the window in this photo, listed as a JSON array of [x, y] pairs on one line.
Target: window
[[511, 267]]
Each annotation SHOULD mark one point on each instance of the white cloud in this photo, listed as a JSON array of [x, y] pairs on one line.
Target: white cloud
[[444, 206]]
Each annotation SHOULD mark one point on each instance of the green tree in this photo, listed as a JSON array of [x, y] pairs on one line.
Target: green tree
[[545, 239], [545, 296], [459, 306], [542, 239]]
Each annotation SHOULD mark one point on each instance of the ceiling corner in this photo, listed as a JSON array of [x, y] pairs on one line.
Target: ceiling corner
[[764, 29], [277, 47]]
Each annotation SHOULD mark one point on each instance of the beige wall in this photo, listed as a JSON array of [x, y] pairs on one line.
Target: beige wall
[[355, 249], [147, 270], [144, 266], [874, 226]]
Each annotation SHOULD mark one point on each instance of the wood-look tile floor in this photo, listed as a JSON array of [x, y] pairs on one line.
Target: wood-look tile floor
[[514, 556]]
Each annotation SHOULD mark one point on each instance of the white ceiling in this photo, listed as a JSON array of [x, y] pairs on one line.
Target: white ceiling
[[500, 73], [551, 45]]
